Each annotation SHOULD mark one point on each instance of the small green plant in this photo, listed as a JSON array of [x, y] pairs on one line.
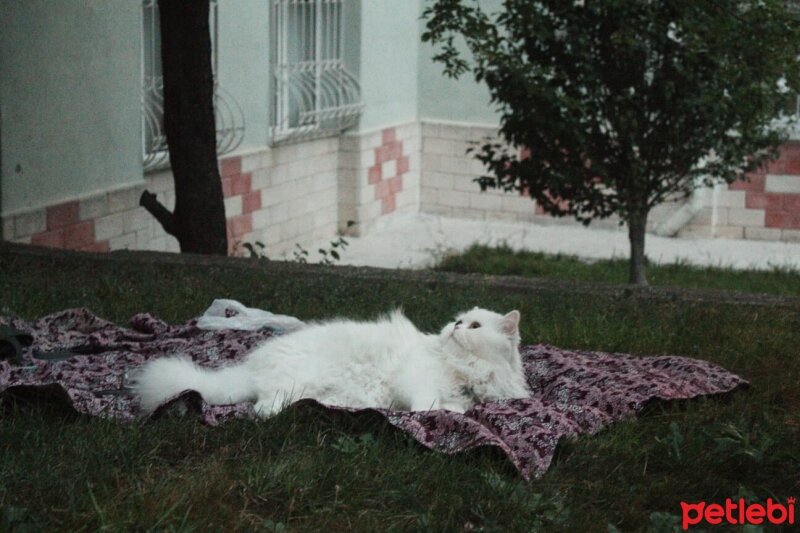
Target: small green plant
[[549, 509], [330, 255], [659, 523], [271, 525], [17, 519], [255, 250], [664, 523], [300, 255], [673, 441], [351, 445], [734, 441]]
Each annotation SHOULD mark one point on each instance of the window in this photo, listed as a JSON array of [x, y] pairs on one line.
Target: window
[[312, 92], [228, 115]]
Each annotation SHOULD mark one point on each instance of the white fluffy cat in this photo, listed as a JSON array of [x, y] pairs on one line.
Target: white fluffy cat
[[387, 363]]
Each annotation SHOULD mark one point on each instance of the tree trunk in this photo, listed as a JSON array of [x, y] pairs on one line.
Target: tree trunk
[[198, 221], [637, 224]]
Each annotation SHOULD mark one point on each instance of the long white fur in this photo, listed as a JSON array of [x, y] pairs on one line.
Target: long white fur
[[163, 378], [386, 363]]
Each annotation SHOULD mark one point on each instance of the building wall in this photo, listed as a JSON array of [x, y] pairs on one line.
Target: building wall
[[766, 207], [462, 101], [296, 188], [400, 82], [243, 56], [75, 182], [70, 99], [306, 192], [379, 175], [448, 184], [279, 197], [388, 67]]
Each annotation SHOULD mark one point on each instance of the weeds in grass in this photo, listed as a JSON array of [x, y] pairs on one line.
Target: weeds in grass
[[300, 254], [733, 441], [349, 445], [18, 519], [673, 441], [256, 250], [329, 255]]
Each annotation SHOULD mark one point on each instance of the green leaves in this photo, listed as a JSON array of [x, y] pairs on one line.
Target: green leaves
[[255, 250], [619, 104], [630, 93], [733, 441], [349, 445], [17, 519], [673, 441]]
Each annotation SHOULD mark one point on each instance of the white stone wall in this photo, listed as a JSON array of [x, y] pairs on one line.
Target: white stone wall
[[298, 187], [103, 221], [448, 173], [449, 187], [765, 208], [379, 175], [306, 192], [747, 210], [281, 197]]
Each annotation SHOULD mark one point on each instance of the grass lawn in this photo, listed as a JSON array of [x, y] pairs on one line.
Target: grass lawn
[[307, 470], [503, 260]]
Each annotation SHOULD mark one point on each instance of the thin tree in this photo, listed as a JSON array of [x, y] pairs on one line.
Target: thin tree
[[198, 220], [620, 105]]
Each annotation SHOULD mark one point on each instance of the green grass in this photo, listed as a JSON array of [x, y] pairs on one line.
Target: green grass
[[503, 260], [309, 470]]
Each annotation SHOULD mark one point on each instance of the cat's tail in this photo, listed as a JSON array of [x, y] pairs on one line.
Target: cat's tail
[[163, 378]]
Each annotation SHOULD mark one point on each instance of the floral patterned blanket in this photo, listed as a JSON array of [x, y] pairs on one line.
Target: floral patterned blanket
[[575, 392]]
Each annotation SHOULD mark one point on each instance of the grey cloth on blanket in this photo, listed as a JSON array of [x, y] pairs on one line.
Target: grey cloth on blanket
[[574, 392]]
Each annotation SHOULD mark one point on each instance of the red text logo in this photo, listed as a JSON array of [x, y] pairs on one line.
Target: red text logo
[[738, 513]]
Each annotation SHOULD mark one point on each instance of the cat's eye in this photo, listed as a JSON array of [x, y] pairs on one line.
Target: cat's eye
[[459, 322], [475, 325]]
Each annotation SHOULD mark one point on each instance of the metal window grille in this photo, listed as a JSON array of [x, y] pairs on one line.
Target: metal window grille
[[793, 101], [229, 117], [312, 93]]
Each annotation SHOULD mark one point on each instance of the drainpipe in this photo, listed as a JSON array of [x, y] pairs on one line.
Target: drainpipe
[[716, 191], [672, 225]]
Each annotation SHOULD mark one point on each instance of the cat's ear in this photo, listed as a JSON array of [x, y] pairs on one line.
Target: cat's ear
[[511, 323]]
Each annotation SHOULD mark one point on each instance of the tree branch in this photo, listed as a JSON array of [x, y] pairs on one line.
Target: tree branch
[[167, 220]]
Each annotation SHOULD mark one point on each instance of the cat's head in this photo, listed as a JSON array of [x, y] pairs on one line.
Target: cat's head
[[485, 334]]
